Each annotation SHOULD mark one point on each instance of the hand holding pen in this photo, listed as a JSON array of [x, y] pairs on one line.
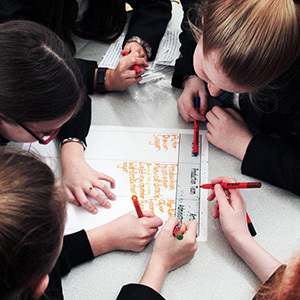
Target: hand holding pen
[[230, 209]]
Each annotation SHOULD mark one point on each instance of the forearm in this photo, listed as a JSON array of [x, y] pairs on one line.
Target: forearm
[[70, 154], [154, 275], [102, 239], [262, 263]]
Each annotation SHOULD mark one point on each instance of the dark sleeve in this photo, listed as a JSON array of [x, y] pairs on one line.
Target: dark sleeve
[[149, 21], [266, 287], [184, 64], [79, 125], [87, 69], [273, 160], [76, 250], [134, 291]]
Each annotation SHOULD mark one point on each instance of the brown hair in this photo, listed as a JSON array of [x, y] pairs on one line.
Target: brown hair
[[285, 285], [39, 79], [32, 218], [257, 40]]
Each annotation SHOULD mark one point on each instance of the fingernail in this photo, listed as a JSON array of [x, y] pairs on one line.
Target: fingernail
[[94, 211], [107, 204]]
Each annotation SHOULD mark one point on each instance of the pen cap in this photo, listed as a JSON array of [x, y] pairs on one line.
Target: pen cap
[[253, 184]]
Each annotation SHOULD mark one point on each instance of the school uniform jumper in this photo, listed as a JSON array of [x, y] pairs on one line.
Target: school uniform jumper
[[273, 154]]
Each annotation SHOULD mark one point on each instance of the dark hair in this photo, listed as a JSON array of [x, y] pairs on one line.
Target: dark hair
[[32, 219], [39, 79]]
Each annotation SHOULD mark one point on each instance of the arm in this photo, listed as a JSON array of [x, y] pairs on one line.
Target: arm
[[184, 76], [168, 254], [230, 209], [127, 232], [184, 64], [149, 21]]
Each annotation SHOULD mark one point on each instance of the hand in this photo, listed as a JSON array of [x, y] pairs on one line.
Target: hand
[[127, 232], [228, 131], [134, 47], [230, 209], [168, 251], [78, 176], [193, 87], [120, 78]]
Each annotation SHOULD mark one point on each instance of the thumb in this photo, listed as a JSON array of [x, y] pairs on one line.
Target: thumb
[[221, 197]]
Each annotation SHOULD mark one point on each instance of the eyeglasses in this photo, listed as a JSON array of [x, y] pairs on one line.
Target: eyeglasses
[[39, 139]]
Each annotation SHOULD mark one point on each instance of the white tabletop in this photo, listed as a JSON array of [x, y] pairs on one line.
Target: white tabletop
[[216, 272]]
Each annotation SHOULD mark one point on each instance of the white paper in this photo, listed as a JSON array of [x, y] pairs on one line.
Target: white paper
[[144, 162]]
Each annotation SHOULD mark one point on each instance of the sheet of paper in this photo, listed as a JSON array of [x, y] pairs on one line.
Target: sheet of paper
[[167, 54], [156, 165]]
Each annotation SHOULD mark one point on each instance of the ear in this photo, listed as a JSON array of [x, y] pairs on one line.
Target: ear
[[39, 289]]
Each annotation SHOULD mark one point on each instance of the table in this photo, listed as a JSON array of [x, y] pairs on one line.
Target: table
[[216, 272]]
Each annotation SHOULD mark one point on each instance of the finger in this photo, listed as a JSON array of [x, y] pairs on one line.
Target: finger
[[234, 113], [99, 198], [192, 229], [222, 198], [211, 195], [203, 105], [211, 117], [154, 222], [195, 114], [105, 189], [71, 198], [81, 197], [224, 179], [215, 210], [107, 178], [170, 224], [148, 214], [183, 113]]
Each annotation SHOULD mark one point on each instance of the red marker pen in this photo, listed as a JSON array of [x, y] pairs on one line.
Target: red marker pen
[[196, 128], [236, 185], [250, 226], [137, 206], [136, 68], [177, 234]]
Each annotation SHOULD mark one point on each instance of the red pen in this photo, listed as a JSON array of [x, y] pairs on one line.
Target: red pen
[[177, 234], [136, 68], [196, 128], [236, 185], [250, 226], [137, 206]]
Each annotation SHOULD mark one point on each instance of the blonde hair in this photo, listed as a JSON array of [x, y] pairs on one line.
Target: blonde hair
[[257, 40], [32, 217]]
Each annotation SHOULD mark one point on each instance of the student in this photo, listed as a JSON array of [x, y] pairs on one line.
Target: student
[[253, 53], [32, 236], [280, 282], [101, 21], [42, 95]]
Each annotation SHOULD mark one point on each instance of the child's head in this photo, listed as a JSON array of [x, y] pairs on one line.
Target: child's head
[[32, 219], [285, 284], [245, 44], [39, 81]]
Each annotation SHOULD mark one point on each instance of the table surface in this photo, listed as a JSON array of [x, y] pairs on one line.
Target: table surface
[[216, 272]]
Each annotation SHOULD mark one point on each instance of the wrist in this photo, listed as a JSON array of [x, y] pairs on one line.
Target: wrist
[[241, 243], [108, 80], [101, 240], [71, 153]]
